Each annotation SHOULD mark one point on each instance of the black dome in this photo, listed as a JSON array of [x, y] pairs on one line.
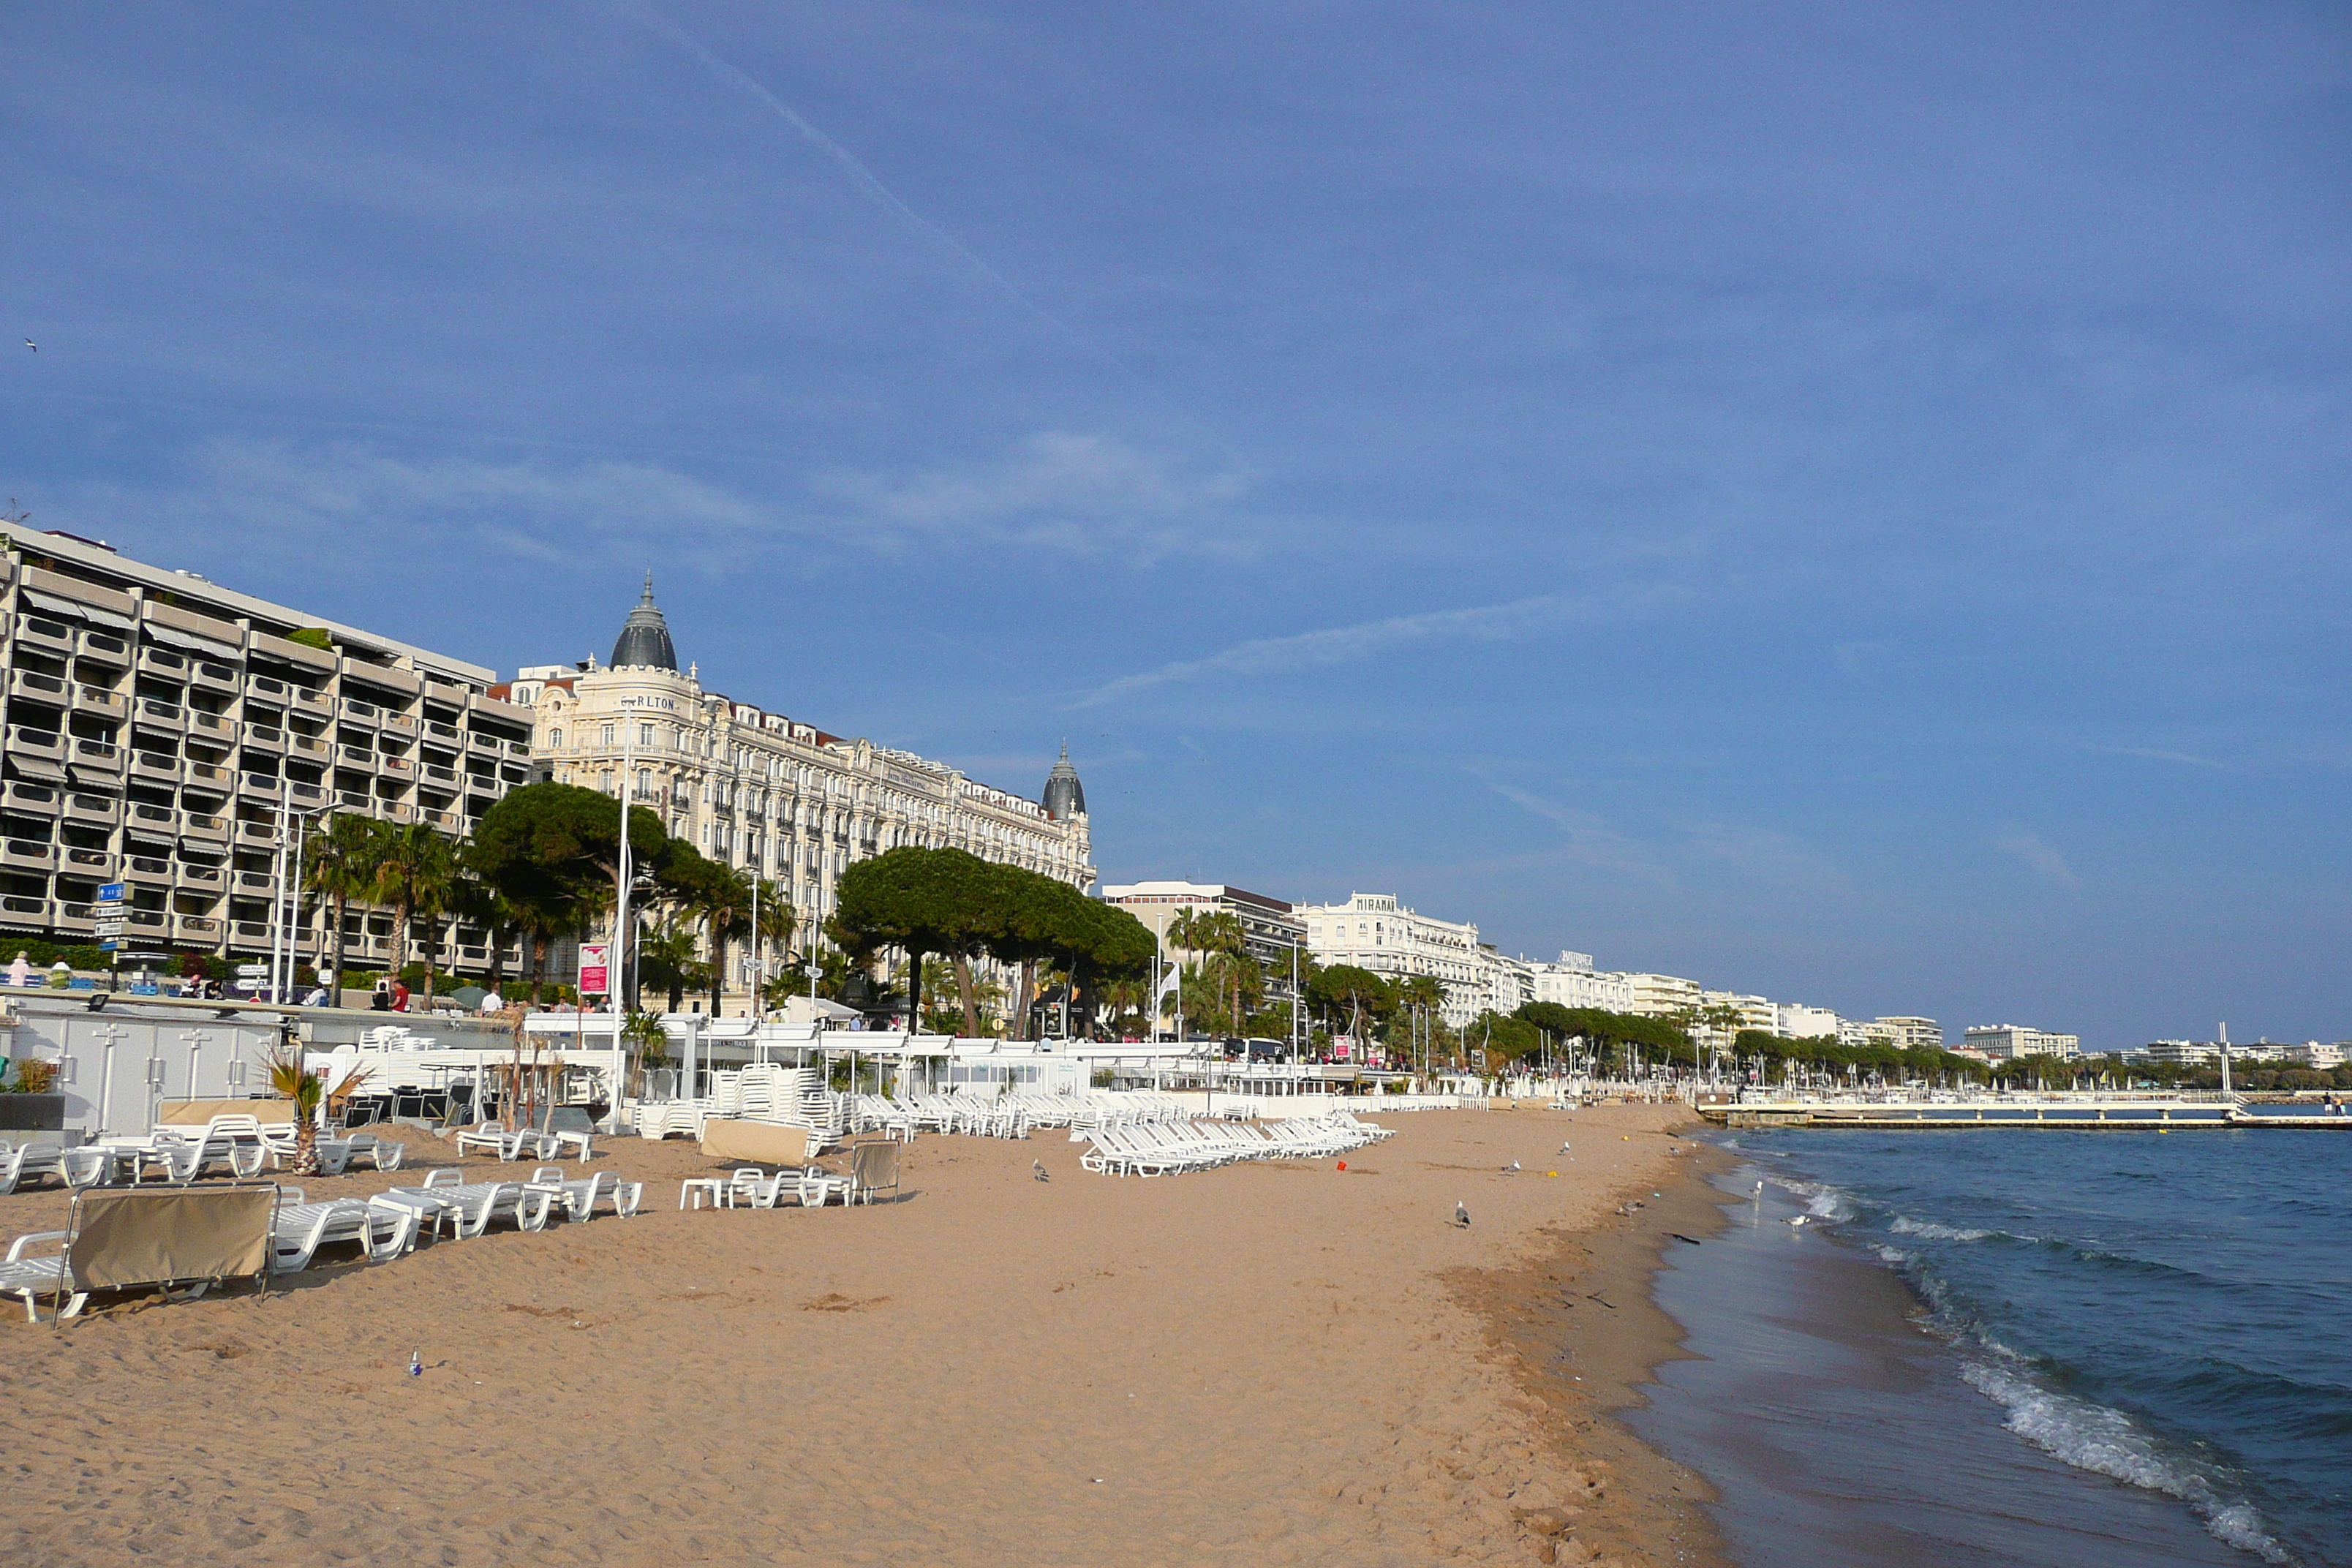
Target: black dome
[[645, 641], [1064, 796]]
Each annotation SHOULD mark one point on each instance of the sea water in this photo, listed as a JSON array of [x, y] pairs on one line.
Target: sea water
[[2021, 1347]]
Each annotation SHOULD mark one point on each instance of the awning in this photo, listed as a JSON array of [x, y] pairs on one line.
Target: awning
[[188, 642], [106, 779], [39, 768], [75, 608]]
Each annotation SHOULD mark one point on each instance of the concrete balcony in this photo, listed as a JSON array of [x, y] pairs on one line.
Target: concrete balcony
[[40, 688], [402, 767], [23, 912], [211, 677], [211, 726], [447, 821], [449, 735], [95, 809], [147, 871], [195, 878], [103, 647], [164, 662], [96, 756], [155, 767], [49, 636], [203, 829], [27, 855], [366, 715], [160, 820], [361, 757], [262, 738], [261, 835], [400, 723], [359, 804], [158, 715], [259, 884], [153, 924], [210, 776], [303, 745], [201, 930], [79, 919], [305, 795], [98, 701], [318, 704], [96, 863], [25, 742]]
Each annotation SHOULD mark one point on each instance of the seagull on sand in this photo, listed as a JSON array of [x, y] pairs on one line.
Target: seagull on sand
[[1509, 1168], [1038, 1172], [1461, 1214], [1760, 1189], [1797, 1220]]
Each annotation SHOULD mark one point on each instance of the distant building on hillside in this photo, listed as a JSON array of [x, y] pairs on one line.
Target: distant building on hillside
[[1657, 995], [1913, 1033], [1573, 982], [1795, 1021], [2009, 1042]]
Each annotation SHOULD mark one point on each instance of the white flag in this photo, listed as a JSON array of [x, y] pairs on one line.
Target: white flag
[[1175, 978]]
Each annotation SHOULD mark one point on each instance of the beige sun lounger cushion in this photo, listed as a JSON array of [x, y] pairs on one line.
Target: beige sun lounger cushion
[[760, 1142]]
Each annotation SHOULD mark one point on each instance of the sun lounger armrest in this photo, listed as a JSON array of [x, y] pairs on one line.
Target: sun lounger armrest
[[16, 1248]]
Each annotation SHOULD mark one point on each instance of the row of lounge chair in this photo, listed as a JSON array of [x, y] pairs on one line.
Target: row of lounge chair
[[1162, 1149], [237, 1146], [385, 1225], [512, 1144]]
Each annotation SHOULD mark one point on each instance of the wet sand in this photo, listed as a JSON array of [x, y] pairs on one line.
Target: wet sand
[[1266, 1363]]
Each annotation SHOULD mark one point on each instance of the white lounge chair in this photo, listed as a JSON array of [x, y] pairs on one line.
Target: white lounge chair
[[300, 1228], [30, 1162], [32, 1275], [579, 1197]]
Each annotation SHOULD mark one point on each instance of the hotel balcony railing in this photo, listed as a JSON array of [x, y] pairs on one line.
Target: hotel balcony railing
[[267, 685], [216, 677], [362, 712], [99, 700], [202, 878], [261, 835], [209, 829], [211, 724], [76, 918], [163, 715], [23, 910], [145, 869], [211, 777], [98, 863], [262, 738], [318, 702], [440, 732], [196, 928], [163, 661], [159, 766]]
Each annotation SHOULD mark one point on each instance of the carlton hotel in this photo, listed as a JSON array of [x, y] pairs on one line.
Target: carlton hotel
[[767, 794]]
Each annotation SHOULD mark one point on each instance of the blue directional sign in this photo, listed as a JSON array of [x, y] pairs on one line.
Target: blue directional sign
[[109, 892]]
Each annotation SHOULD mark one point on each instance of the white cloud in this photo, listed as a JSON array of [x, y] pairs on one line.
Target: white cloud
[[2044, 860], [1341, 645], [1058, 490]]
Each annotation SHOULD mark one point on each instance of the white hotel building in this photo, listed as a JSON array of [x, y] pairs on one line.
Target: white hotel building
[[2009, 1043], [1573, 982], [771, 795], [1373, 930]]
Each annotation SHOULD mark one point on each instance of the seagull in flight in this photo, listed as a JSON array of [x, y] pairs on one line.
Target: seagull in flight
[[32, 345]]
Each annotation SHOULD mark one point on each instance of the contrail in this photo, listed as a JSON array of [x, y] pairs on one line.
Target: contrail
[[881, 196]]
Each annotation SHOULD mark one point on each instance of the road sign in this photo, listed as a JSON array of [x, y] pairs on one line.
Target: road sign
[[253, 972], [595, 969], [109, 945], [110, 928], [109, 892]]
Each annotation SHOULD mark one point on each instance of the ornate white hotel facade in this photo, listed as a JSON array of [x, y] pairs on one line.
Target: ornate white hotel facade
[[770, 795]]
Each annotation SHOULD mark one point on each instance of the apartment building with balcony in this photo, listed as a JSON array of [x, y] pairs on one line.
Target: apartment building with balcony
[[155, 722], [1373, 932], [1270, 931]]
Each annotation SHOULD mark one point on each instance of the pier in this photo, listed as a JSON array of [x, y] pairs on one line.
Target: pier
[[2072, 1113]]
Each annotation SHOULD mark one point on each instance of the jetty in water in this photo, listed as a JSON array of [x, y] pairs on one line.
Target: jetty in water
[[2077, 1112]]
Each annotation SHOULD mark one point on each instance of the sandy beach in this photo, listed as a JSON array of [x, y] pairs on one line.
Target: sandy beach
[[1264, 1363]]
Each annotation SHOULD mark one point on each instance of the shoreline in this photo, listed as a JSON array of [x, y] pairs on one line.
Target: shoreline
[[1582, 1333]]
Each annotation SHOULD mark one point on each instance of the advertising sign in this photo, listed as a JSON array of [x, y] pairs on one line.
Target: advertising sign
[[595, 970]]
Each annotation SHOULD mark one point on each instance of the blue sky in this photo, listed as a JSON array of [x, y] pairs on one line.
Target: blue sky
[[1844, 501]]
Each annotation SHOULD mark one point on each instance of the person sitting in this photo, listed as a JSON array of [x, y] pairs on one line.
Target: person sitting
[[400, 996], [379, 999]]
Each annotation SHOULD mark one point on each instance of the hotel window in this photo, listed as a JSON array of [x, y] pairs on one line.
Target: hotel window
[[644, 781], [555, 739], [608, 736], [645, 736]]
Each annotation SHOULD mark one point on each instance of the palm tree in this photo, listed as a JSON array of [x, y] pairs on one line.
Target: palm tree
[[292, 1077], [342, 866], [666, 960], [723, 899], [414, 874], [777, 920]]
